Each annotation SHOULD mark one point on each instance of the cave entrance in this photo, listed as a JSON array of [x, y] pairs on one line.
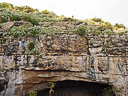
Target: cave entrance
[[78, 88]]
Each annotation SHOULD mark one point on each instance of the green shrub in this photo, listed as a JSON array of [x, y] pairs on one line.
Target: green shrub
[[2, 20], [46, 25], [15, 18], [68, 19], [15, 36], [119, 25], [108, 32], [82, 30], [45, 11], [96, 31], [29, 19], [16, 31], [50, 30], [109, 45], [33, 93], [108, 25], [6, 5], [107, 92], [97, 19], [102, 21], [71, 19], [120, 33], [79, 22], [31, 45], [25, 9], [101, 28], [34, 22], [17, 65]]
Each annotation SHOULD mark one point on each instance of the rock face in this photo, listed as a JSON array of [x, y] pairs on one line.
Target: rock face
[[66, 56]]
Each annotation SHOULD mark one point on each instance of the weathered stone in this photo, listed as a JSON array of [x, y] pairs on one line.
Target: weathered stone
[[97, 43], [18, 23], [7, 25], [66, 56], [103, 64]]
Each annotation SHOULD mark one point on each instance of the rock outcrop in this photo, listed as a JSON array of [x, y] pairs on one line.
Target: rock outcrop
[[63, 56]]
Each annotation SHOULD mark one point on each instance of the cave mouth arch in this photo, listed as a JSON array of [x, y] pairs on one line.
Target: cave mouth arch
[[77, 88]]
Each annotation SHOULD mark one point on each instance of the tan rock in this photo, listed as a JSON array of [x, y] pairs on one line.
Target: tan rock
[[7, 25]]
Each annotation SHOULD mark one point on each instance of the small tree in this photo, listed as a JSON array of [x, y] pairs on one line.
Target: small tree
[[52, 85]]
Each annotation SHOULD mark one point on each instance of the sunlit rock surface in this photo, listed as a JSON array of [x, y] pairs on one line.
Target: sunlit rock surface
[[66, 56]]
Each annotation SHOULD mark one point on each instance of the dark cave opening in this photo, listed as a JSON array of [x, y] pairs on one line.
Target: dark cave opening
[[77, 88]]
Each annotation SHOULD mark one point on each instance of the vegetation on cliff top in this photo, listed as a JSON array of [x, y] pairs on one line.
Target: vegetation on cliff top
[[8, 13]]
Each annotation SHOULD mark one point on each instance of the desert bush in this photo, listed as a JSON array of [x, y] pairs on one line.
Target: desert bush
[[101, 28], [15, 18], [33, 93], [119, 25], [108, 25], [96, 31], [3, 19], [45, 11], [25, 9], [96, 19], [108, 32], [108, 45], [29, 19], [31, 45], [6, 5], [49, 30], [79, 22], [68, 19], [82, 30]]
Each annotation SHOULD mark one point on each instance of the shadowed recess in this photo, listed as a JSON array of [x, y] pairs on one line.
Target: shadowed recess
[[77, 88]]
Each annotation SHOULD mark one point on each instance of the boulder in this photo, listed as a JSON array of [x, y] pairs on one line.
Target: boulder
[[7, 25]]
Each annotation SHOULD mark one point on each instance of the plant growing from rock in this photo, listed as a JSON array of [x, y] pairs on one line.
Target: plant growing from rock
[[96, 31], [108, 26], [109, 45], [108, 32], [33, 93], [49, 30], [120, 25], [101, 28], [17, 65], [79, 22], [30, 19], [6, 5], [46, 25], [35, 52], [3, 20], [31, 46], [15, 36], [107, 92], [120, 33], [16, 31], [34, 31], [45, 11], [82, 30], [52, 85], [15, 18], [96, 19]]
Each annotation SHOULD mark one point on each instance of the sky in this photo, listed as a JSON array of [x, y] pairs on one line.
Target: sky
[[113, 11]]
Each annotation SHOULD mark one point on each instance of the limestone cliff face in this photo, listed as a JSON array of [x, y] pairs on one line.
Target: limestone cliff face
[[59, 57]]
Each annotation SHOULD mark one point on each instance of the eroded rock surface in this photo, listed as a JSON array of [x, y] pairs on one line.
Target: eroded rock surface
[[64, 56]]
